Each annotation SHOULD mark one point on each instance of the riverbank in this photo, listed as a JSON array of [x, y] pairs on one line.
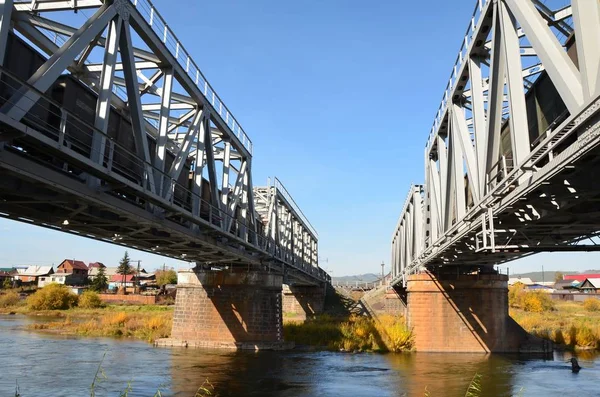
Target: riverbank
[[570, 325], [144, 322]]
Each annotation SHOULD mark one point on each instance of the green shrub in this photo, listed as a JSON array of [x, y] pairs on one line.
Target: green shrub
[[591, 304], [52, 297], [11, 298], [90, 300]]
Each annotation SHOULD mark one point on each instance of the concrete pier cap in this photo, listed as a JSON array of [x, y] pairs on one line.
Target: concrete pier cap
[[231, 309], [465, 313]]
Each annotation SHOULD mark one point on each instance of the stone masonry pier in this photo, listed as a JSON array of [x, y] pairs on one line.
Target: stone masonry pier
[[227, 309], [304, 301], [465, 313]]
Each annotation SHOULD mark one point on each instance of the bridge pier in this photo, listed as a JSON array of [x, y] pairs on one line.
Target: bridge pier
[[465, 313], [304, 300], [228, 309]]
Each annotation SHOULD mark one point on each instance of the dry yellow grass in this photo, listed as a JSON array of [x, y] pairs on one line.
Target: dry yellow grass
[[569, 324], [353, 333]]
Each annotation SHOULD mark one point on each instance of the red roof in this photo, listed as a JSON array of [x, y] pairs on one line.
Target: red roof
[[580, 277], [118, 278], [75, 264], [96, 264]]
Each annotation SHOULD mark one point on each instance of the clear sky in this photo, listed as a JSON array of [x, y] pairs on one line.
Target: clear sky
[[338, 97]]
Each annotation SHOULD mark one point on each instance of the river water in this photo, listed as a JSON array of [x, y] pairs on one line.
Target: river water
[[49, 365]]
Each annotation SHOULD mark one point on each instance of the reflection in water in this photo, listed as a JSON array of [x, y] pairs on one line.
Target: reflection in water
[[58, 366]]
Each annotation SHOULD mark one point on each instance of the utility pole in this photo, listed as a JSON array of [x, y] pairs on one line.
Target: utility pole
[[543, 277], [382, 272]]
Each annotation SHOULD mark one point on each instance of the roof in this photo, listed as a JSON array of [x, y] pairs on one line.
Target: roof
[[108, 271], [35, 271], [565, 284], [594, 283], [118, 278], [96, 265], [75, 264], [522, 280], [580, 277]]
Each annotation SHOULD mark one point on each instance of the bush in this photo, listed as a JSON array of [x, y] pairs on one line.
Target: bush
[[591, 304], [52, 297], [10, 298], [515, 295], [536, 302], [90, 300]]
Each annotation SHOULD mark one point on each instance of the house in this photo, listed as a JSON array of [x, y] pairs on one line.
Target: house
[[95, 265], [520, 280], [590, 286], [118, 280], [31, 273], [566, 284], [108, 272], [74, 267], [60, 278]]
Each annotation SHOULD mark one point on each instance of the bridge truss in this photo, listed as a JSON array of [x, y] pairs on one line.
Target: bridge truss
[[512, 155], [109, 130]]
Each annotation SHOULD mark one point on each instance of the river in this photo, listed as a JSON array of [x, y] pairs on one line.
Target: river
[[50, 365]]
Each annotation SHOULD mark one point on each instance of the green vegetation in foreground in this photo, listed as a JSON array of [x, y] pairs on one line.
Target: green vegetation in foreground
[[351, 333], [572, 324]]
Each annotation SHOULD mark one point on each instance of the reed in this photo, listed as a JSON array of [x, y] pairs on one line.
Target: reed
[[350, 333], [571, 324]]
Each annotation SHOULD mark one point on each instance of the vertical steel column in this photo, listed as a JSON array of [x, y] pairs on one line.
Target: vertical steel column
[[586, 18], [105, 93], [6, 7], [519, 130], [163, 126]]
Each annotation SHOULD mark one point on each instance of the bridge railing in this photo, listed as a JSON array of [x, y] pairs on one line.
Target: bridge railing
[[156, 22], [67, 132]]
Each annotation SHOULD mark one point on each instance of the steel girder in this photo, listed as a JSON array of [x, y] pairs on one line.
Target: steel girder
[[495, 174], [159, 87]]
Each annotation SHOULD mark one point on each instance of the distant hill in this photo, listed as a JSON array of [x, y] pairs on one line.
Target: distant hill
[[367, 277], [549, 275]]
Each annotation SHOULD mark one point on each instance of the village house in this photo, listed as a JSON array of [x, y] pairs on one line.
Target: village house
[[590, 286], [32, 273], [74, 267], [108, 272]]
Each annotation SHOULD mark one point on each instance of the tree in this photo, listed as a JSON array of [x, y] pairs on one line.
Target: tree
[[7, 283], [100, 282], [558, 276], [164, 277], [124, 269]]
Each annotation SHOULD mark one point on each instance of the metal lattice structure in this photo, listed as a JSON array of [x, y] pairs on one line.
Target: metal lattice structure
[[109, 130], [512, 155]]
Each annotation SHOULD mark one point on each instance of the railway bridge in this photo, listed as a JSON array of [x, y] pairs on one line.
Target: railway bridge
[[110, 131], [510, 169]]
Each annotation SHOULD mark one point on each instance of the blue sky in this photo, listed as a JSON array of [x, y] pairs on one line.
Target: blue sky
[[338, 98]]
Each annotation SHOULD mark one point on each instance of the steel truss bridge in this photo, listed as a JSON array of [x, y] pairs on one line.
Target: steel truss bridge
[[109, 130], [512, 158]]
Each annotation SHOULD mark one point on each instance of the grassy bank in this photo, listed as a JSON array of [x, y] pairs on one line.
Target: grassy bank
[[145, 322], [569, 324], [123, 321], [350, 333]]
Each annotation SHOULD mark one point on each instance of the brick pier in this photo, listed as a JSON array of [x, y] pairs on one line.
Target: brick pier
[[466, 313], [226, 309]]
